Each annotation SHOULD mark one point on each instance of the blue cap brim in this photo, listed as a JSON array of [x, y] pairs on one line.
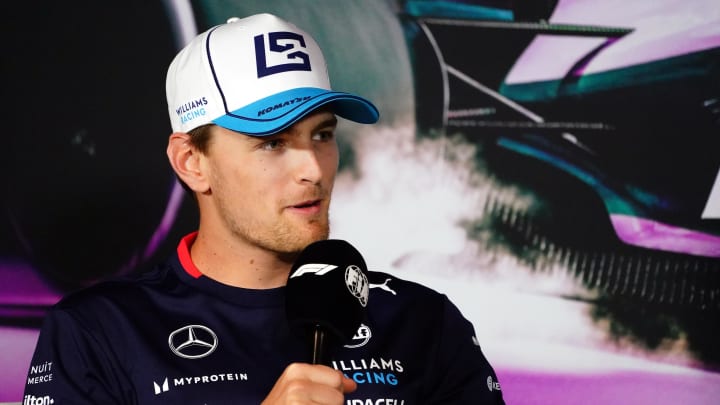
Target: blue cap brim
[[279, 111]]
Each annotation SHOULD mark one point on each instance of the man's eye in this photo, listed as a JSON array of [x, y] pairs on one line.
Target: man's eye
[[324, 136], [273, 144]]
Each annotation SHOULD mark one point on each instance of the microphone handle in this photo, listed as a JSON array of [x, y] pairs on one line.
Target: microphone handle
[[318, 354]]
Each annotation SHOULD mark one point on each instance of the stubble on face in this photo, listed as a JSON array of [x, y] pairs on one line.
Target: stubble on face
[[270, 211], [283, 234]]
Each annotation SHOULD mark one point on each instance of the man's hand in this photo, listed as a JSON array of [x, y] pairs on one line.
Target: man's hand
[[310, 384]]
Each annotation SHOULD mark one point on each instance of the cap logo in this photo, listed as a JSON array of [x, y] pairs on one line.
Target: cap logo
[[286, 44]]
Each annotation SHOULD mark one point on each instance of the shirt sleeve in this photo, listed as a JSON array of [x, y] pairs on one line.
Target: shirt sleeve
[[463, 373], [71, 365]]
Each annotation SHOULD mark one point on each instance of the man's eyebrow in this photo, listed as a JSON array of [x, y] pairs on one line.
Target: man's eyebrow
[[329, 122]]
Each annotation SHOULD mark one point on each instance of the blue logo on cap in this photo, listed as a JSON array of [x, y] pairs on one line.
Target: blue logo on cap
[[290, 47]]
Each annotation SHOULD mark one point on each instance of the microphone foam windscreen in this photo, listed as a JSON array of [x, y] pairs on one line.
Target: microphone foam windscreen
[[328, 287]]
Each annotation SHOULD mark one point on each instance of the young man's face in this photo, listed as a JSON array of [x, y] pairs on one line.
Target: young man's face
[[274, 191]]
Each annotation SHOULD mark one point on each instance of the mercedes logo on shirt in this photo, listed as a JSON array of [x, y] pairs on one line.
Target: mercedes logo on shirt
[[193, 341]]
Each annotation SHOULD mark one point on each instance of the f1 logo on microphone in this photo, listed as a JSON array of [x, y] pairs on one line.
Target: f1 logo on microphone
[[282, 42], [313, 268]]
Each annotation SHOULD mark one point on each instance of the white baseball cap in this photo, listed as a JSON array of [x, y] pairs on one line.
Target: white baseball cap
[[256, 75]]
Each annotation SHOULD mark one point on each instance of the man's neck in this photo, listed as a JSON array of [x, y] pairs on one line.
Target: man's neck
[[237, 264]]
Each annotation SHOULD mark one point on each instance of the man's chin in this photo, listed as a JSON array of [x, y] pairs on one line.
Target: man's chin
[[290, 251], [305, 237], [312, 238]]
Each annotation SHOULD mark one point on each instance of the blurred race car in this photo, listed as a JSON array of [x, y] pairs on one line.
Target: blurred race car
[[624, 97]]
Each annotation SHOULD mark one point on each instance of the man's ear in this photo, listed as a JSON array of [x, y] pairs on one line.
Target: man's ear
[[185, 160]]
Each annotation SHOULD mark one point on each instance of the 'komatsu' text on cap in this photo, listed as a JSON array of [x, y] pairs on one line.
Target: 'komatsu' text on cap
[[257, 75]]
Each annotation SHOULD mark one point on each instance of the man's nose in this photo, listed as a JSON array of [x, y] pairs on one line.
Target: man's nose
[[308, 168]]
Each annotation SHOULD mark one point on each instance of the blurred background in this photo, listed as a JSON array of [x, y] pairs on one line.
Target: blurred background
[[551, 165]]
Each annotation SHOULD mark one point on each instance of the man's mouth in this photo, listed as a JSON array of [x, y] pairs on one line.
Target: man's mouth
[[307, 204]]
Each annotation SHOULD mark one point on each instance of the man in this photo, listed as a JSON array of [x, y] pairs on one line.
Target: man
[[254, 118]]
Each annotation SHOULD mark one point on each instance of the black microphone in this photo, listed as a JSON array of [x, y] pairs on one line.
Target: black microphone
[[326, 295]]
